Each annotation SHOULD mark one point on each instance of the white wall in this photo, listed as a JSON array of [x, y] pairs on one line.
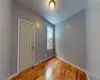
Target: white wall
[[5, 38], [71, 39], [20, 11], [93, 36]]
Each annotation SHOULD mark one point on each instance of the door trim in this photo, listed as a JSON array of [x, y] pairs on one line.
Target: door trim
[[18, 62]]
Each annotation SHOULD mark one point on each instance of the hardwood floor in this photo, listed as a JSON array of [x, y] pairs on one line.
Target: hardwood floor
[[52, 69]]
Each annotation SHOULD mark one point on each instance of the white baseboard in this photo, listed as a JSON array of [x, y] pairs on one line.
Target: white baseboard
[[71, 64], [34, 65], [88, 73], [13, 76], [44, 60], [88, 77]]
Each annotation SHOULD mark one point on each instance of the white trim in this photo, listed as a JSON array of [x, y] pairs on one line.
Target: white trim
[[34, 65], [19, 20], [18, 47], [71, 64], [88, 73], [44, 60], [88, 77], [13, 76], [26, 21]]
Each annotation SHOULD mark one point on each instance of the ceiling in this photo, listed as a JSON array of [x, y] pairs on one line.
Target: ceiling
[[64, 9]]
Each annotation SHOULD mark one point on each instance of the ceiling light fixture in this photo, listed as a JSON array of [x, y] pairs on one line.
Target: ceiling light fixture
[[52, 4]]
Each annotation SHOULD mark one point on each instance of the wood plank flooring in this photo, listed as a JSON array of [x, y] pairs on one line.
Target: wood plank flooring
[[52, 69]]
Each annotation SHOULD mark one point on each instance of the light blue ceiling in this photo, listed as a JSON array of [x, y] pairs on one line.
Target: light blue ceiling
[[64, 9]]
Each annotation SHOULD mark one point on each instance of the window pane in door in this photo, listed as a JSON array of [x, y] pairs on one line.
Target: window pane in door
[[49, 38]]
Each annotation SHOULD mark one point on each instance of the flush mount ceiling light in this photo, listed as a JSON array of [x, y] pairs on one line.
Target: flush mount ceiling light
[[52, 4]]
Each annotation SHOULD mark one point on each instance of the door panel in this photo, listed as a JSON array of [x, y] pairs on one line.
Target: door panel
[[26, 45]]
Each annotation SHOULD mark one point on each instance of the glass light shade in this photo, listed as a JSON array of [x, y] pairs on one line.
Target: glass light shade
[[52, 4]]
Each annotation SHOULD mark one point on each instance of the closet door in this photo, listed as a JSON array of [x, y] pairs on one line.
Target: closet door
[[26, 45]]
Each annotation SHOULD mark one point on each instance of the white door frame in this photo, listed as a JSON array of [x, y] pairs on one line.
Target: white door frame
[[18, 62]]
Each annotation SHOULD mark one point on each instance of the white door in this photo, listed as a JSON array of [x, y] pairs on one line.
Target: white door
[[26, 45]]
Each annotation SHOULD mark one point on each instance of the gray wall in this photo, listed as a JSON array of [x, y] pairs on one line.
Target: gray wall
[[70, 39], [93, 77], [20, 11], [5, 38], [93, 36]]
